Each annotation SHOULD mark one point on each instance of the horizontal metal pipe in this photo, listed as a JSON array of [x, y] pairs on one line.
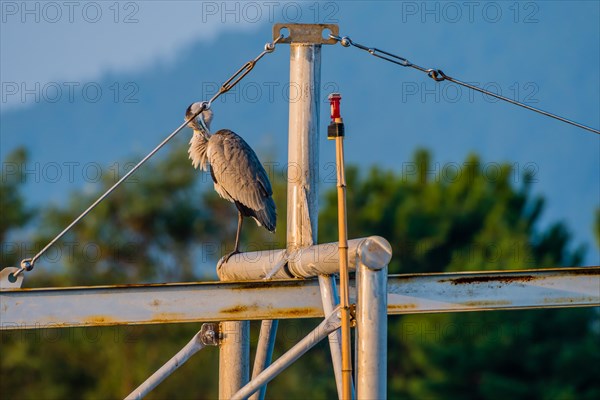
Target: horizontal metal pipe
[[206, 302], [330, 324], [501, 290], [322, 259], [159, 303], [168, 368]]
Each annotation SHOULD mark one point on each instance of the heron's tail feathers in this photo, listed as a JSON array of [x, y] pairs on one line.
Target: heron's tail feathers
[[267, 217]]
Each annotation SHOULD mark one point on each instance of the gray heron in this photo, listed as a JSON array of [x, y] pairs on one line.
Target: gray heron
[[236, 171]]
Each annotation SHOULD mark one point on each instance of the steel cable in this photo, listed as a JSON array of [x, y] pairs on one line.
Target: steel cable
[[28, 263], [438, 75]]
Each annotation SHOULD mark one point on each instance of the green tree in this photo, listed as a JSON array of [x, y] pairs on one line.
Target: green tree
[[14, 213], [472, 221], [150, 229], [147, 230], [161, 225]]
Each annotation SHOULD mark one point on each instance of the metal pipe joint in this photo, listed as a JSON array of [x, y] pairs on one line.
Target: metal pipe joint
[[374, 252]]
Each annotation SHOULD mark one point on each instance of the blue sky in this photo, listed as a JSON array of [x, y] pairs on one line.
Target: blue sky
[[91, 84]]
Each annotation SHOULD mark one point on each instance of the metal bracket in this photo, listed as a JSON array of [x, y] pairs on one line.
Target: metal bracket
[[209, 334], [8, 280], [352, 315], [306, 33]]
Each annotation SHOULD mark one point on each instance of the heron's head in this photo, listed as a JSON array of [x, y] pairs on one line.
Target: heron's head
[[202, 121]]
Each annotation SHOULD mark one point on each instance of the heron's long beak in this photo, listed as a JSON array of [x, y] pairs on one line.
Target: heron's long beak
[[202, 124]]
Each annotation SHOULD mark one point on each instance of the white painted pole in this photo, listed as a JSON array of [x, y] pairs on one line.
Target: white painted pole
[[303, 145], [331, 323], [371, 331], [303, 162], [234, 357], [303, 158]]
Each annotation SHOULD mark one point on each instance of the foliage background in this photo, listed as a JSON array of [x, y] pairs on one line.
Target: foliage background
[[156, 229]]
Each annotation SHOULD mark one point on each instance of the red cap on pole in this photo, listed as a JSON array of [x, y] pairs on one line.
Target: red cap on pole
[[334, 101], [336, 127]]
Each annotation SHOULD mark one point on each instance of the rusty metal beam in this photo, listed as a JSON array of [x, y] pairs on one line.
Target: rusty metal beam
[[501, 290], [162, 303], [203, 302]]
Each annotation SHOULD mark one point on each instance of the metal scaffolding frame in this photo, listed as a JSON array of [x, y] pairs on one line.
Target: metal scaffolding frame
[[373, 291], [296, 282], [47, 308]]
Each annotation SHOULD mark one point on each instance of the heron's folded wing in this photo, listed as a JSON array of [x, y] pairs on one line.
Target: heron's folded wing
[[236, 168]]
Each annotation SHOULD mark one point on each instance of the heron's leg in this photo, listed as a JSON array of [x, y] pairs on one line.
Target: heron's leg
[[238, 234], [237, 237]]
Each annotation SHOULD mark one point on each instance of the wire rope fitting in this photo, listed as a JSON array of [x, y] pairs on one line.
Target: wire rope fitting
[[26, 265], [436, 74], [346, 42], [204, 105], [270, 46]]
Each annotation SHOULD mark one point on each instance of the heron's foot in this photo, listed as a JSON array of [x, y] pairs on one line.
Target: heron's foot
[[228, 256]]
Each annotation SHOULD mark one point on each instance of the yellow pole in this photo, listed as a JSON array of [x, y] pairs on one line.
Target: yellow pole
[[344, 285], [336, 131]]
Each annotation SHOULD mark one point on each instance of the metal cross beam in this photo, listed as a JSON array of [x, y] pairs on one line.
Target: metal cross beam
[[204, 302]]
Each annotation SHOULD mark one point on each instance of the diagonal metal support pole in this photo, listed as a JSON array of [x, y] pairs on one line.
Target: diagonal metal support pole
[[330, 324], [330, 299], [208, 336], [264, 353]]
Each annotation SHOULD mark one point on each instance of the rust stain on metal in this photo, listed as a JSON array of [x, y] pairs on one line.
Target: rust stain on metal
[[271, 284], [299, 311], [585, 271], [570, 300], [468, 280], [407, 306], [100, 320], [487, 303], [168, 317], [239, 309], [155, 303]]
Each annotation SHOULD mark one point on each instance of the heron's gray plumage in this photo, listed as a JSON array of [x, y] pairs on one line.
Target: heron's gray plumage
[[240, 177], [237, 173]]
